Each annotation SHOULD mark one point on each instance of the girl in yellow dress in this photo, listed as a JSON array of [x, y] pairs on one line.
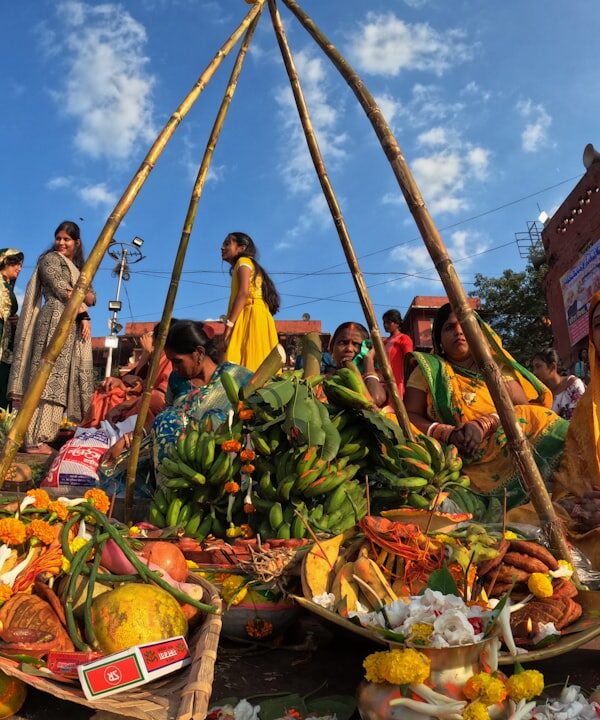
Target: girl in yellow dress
[[250, 332]]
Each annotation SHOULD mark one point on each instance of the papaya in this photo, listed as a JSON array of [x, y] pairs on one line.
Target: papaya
[[12, 695], [134, 614]]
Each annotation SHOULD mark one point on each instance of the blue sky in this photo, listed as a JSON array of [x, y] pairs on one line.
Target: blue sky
[[490, 102]]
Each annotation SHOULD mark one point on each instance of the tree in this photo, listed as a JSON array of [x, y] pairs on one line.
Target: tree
[[515, 306]]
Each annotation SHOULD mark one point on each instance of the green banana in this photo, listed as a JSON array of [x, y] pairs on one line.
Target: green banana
[[266, 488], [351, 380], [408, 482], [275, 516], [342, 396], [418, 501], [184, 515], [220, 469], [349, 449], [169, 468], [177, 483], [260, 444], [173, 512], [205, 528], [359, 454], [189, 472], [193, 524], [180, 445], [336, 498], [316, 513], [436, 451], [308, 477], [417, 467], [349, 434], [232, 389], [264, 505], [191, 440], [160, 501], [284, 531], [420, 452], [298, 529], [285, 487], [307, 460], [344, 524], [156, 517]]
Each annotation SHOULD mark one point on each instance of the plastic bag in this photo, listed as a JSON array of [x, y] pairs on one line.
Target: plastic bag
[[78, 460]]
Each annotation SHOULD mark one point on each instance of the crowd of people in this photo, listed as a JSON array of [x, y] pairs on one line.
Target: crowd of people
[[444, 391]]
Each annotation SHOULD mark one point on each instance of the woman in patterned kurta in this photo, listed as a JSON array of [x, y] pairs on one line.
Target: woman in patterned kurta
[[11, 262], [71, 383]]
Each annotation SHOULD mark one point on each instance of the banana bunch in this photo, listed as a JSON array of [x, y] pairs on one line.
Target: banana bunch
[[414, 472], [467, 501], [179, 509], [346, 389]]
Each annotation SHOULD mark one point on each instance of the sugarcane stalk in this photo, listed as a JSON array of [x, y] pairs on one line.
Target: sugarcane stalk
[[38, 382], [517, 443], [311, 355], [163, 328], [340, 224]]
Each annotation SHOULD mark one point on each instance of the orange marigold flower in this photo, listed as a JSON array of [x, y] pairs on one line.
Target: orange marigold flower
[[59, 509], [5, 592], [231, 487], [249, 508], [41, 530], [41, 497], [247, 454], [246, 414], [98, 498], [231, 446], [249, 468], [258, 628], [247, 531], [12, 531]]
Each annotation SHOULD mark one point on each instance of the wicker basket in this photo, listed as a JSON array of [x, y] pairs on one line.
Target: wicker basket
[[182, 696]]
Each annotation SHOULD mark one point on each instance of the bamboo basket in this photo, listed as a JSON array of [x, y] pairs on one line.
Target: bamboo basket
[[182, 696]]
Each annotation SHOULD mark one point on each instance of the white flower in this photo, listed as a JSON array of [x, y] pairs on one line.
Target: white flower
[[325, 600], [244, 711], [454, 627], [545, 630], [26, 502], [396, 612]]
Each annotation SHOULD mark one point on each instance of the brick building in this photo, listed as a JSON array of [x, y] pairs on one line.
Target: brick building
[[419, 317], [572, 250]]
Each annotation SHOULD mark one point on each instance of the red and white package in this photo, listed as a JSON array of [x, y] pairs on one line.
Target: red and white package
[[78, 460]]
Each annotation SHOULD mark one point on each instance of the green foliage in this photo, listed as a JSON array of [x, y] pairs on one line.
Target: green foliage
[[514, 304]]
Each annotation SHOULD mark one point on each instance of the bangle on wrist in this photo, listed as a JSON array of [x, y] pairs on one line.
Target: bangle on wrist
[[373, 376], [229, 323]]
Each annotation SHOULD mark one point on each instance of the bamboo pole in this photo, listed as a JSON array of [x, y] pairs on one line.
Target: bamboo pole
[[188, 225], [38, 383], [517, 442], [340, 224]]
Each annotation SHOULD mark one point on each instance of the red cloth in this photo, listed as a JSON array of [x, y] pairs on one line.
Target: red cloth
[[124, 400], [397, 348]]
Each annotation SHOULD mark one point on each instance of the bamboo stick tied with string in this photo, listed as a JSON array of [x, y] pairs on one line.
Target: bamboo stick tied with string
[[520, 450], [179, 260]]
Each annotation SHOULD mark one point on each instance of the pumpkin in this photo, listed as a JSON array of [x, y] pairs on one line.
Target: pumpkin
[[168, 557], [134, 614], [12, 695]]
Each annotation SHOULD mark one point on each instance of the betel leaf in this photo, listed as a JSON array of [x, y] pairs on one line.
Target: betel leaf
[[342, 706], [442, 581], [277, 393], [277, 707]]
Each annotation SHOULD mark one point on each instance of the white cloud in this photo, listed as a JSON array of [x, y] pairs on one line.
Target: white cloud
[[390, 107], [414, 258], [427, 105], [415, 3], [106, 89], [434, 136], [386, 45], [59, 182], [478, 159], [96, 195], [535, 135], [474, 90], [314, 215]]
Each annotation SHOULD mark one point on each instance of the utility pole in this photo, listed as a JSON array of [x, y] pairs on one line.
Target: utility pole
[[125, 254]]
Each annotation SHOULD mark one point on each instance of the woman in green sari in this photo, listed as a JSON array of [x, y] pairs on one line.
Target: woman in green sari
[[11, 262], [447, 398]]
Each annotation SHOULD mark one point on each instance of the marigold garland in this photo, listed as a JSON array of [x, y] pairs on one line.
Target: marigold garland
[[486, 688], [231, 446], [42, 531], [246, 414], [98, 498], [247, 455], [249, 508], [525, 685], [12, 531], [231, 487], [476, 711], [420, 633], [398, 667], [41, 497], [247, 531], [249, 468]]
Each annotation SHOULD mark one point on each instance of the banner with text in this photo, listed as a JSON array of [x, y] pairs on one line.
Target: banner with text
[[578, 286]]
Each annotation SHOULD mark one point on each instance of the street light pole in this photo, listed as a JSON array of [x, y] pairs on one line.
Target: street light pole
[[126, 254]]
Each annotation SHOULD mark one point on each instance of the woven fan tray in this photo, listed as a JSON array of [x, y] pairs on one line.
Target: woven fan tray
[[184, 695], [576, 635]]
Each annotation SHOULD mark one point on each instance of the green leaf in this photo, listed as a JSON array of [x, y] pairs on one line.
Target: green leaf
[[381, 426], [389, 634], [277, 393], [442, 581], [277, 707], [342, 706]]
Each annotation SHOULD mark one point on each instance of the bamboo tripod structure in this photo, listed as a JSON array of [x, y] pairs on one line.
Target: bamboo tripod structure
[[178, 266], [516, 440], [36, 387]]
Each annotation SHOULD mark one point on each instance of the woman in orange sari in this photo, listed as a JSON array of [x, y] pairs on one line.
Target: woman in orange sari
[[577, 483], [447, 398]]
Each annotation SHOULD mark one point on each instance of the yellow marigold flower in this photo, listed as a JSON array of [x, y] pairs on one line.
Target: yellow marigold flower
[[476, 711], [192, 565], [420, 633], [134, 530], [404, 667], [484, 687], [98, 498], [12, 531], [234, 589], [566, 564], [41, 497], [5, 592], [76, 544], [371, 666], [59, 509], [510, 535], [525, 685], [42, 531], [233, 531], [65, 565], [540, 585]]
